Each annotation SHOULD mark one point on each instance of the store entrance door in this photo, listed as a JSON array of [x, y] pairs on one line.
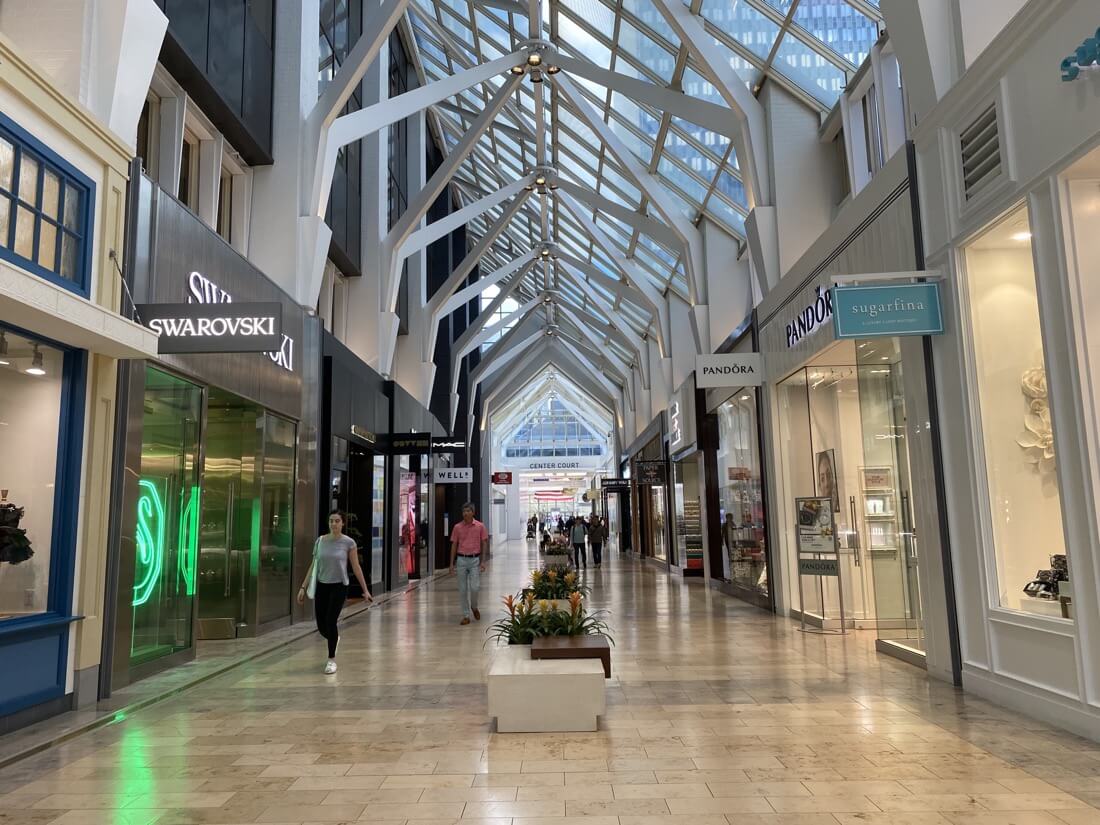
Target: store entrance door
[[843, 426], [234, 430]]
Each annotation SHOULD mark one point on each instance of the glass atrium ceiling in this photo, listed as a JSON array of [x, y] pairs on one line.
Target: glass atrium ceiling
[[811, 47]]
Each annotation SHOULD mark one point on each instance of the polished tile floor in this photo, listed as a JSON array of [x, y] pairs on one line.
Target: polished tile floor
[[718, 714]]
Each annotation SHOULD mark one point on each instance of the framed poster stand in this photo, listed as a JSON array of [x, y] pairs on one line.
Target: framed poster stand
[[818, 555]]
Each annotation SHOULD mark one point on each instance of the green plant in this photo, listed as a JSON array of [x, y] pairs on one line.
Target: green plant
[[529, 618], [555, 581]]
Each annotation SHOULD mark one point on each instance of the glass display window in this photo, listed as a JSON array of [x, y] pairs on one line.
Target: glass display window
[[741, 495], [689, 518], [843, 436], [1021, 487], [166, 535], [31, 384]]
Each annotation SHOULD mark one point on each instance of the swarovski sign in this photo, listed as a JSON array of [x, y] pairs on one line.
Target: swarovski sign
[[732, 370], [226, 327], [204, 291]]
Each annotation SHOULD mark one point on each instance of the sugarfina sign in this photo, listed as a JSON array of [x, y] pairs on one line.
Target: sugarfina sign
[[811, 318], [731, 370], [887, 310], [204, 291], [187, 328]]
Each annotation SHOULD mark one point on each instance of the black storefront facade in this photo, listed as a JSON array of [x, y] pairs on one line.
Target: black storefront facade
[[375, 461], [214, 487]]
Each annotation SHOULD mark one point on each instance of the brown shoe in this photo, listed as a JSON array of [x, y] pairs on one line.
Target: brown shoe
[[477, 615], [464, 620]]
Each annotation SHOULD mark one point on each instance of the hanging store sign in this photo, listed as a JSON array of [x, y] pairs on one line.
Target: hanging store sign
[[363, 433], [211, 328], [205, 292], [651, 473], [615, 485], [406, 443], [887, 310], [453, 475], [730, 370], [811, 318], [1085, 57], [445, 444], [502, 478]]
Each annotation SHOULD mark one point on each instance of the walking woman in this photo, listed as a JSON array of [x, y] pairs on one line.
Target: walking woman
[[332, 553]]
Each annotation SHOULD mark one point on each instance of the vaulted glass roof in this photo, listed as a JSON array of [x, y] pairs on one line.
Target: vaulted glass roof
[[601, 210]]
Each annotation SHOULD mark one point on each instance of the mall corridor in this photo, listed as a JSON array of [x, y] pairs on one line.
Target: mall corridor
[[718, 713]]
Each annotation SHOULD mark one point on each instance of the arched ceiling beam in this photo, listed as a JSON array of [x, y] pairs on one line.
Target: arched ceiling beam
[[435, 312], [651, 187], [654, 301], [751, 141], [636, 220]]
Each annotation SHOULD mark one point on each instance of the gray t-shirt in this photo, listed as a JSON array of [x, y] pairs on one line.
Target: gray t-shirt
[[331, 555]]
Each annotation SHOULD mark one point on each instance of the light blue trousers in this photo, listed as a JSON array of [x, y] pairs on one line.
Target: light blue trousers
[[468, 570]]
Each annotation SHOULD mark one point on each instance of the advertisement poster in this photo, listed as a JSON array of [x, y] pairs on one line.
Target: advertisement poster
[[816, 525], [407, 515]]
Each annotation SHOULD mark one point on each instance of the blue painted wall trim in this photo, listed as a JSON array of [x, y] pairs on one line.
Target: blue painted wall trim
[[35, 648]]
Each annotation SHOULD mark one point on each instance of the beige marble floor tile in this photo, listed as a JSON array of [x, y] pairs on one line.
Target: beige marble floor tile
[[407, 810], [568, 820], [1031, 802], [295, 771], [468, 794], [617, 807], [611, 778], [929, 802], [1077, 817], [578, 792], [725, 805], [781, 819], [563, 765], [1011, 818], [354, 796], [821, 804], [88, 801], [882, 787], [894, 818], [538, 808], [138, 817], [430, 781], [311, 813], [519, 780], [665, 790], [337, 783], [723, 790]]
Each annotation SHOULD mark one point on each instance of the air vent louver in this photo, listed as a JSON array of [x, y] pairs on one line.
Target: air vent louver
[[980, 146]]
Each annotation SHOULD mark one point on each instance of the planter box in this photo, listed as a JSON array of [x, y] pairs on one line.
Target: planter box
[[538, 695], [574, 647], [557, 558]]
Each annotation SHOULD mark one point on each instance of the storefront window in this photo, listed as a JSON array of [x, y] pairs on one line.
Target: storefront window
[[166, 536], [844, 436], [1024, 505], [31, 378], [689, 521], [277, 518], [741, 496], [378, 519]]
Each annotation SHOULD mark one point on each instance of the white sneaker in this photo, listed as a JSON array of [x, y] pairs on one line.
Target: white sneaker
[[330, 667]]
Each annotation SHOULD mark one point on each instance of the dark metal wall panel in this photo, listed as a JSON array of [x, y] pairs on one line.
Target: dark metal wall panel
[[176, 243]]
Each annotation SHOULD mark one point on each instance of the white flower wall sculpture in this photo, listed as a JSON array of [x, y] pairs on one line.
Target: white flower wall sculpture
[[1038, 440]]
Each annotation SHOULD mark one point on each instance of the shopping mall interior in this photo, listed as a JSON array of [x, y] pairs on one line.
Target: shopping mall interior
[[549, 412]]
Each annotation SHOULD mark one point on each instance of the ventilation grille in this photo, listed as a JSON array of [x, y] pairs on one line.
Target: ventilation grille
[[981, 153]]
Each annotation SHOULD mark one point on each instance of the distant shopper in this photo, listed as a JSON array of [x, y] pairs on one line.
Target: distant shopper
[[327, 581], [577, 535], [561, 526], [597, 535], [469, 550]]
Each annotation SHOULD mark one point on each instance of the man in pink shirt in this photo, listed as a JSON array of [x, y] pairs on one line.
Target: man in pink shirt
[[469, 550]]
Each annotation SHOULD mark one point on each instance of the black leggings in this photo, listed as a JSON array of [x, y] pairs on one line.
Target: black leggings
[[328, 601]]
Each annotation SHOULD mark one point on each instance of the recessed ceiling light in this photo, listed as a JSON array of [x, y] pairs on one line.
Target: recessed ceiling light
[[1020, 237]]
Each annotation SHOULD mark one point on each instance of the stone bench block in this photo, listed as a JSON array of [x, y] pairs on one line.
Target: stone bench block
[[536, 696]]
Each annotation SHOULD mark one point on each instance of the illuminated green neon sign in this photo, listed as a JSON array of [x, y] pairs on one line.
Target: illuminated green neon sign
[[149, 538], [189, 540]]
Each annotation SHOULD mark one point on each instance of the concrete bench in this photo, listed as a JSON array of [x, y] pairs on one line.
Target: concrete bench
[[574, 647], [537, 695]]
